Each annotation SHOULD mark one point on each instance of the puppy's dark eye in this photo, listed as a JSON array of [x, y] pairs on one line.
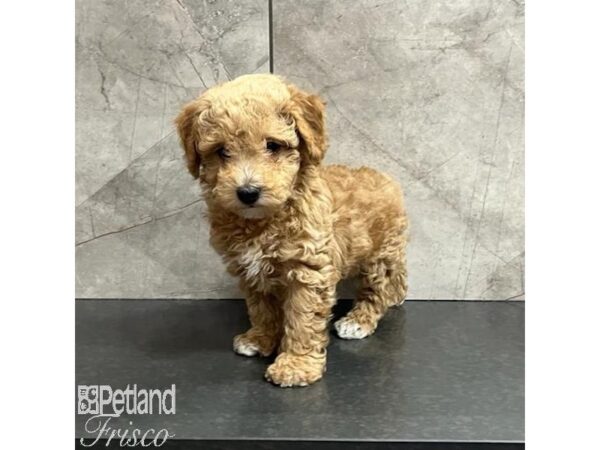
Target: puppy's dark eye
[[222, 153], [273, 147]]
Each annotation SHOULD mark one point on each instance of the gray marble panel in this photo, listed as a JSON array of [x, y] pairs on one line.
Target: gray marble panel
[[137, 62], [432, 93]]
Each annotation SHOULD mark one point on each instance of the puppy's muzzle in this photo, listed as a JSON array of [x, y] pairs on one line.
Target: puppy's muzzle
[[248, 195]]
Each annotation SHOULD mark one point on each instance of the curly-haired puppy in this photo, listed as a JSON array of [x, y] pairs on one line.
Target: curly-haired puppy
[[289, 227]]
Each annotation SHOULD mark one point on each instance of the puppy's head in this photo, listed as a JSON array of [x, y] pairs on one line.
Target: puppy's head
[[249, 140]]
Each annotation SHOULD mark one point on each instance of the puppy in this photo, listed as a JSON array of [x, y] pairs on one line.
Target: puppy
[[289, 227]]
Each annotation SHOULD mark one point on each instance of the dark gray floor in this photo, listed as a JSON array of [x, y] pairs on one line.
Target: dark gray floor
[[434, 372]]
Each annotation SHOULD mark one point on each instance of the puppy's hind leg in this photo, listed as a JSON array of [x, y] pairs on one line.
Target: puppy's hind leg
[[383, 283]]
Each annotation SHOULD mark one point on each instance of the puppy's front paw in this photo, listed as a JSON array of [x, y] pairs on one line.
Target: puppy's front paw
[[244, 347], [348, 328], [252, 343], [289, 370]]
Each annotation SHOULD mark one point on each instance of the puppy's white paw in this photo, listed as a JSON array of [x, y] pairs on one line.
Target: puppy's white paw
[[348, 329], [244, 348]]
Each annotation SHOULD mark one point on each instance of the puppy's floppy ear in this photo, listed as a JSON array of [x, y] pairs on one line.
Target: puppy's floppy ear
[[186, 123], [308, 113]]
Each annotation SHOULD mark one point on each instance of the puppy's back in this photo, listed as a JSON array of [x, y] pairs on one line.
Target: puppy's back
[[368, 207]]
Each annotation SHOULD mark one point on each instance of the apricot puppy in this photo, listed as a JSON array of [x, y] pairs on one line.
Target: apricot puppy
[[289, 227]]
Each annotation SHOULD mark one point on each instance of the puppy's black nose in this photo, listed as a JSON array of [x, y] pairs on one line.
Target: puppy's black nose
[[248, 194]]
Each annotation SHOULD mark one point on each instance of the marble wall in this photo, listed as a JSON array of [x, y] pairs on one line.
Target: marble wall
[[430, 92], [140, 231]]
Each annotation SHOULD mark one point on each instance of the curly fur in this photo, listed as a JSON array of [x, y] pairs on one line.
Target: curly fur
[[312, 226]]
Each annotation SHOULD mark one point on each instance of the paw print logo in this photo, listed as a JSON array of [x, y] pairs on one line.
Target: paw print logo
[[87, 400]]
